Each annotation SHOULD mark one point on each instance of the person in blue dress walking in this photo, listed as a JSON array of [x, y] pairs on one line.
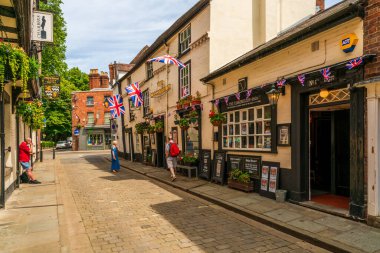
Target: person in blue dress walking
[[115, 167]]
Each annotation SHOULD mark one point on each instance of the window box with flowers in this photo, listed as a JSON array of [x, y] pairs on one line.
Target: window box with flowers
[[217, 119], [188, 160], [197, 99], [240, 180]]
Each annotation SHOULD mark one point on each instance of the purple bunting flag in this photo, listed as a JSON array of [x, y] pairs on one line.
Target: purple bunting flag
[[226, 99], [249, 93], [216, 102], [354, 63], [301, 79], [237, 95], [326, 73], [281, 83]]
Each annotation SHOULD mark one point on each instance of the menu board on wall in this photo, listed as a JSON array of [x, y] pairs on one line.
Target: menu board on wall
[[205, 168], [219, 171], [270, 175], [252, 166], [235, 162]]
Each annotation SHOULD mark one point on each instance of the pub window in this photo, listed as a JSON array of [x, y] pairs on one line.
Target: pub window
[[185, 81], [137, 142], [149, 70], [131, 110], [90, 118], [146, 102], [95, 140], [243, 84], [185, 40], [90, 101], [248, 129]]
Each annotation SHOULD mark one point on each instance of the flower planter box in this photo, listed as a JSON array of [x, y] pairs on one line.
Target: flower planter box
[[216, 123], [195, 102], [247, 187]]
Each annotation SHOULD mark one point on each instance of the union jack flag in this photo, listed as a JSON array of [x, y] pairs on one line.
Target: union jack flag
[[354, 63], [281, 83], [167, 59], [133, 90], [326, 73], [226, 99], [116, 106], [301, 79], [237, 95]]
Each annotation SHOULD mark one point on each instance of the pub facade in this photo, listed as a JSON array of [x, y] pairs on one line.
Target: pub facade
[[295, 116]]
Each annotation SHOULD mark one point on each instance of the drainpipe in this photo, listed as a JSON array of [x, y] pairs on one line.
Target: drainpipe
[[212, 98], [167, 95], [2, 150]]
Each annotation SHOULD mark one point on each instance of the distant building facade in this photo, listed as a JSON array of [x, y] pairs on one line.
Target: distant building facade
[[91, 119]]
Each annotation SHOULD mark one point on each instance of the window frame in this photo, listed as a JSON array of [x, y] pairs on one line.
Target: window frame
[[93, 118], [146, 102], [184, 40], [180, 79], [255, 122], [87, 101], [241, 80], [149, 70], [108, 122]]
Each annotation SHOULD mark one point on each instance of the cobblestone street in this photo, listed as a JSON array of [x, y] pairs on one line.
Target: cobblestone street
[[128, 212]]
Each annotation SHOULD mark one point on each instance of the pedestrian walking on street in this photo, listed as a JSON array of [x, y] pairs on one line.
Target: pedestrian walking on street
[[171, 152], [115, 167], [24, 159]]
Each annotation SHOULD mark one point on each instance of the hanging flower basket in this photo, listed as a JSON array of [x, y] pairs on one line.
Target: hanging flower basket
[[216, 119], [216, 122]]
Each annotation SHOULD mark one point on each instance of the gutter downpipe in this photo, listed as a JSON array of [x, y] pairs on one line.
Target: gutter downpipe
[[167, 96], [212, 127], [2, 150]]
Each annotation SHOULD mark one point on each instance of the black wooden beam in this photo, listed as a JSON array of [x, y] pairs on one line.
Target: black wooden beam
[[9, 29], [7, 11]]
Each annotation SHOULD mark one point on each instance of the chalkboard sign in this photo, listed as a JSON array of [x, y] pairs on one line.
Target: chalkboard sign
[[219, 171], [235, 162], [270, 176], [205, 168], [252, 165]]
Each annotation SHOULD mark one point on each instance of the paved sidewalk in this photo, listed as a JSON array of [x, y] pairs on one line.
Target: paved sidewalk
[[44, 217], [335, 233]]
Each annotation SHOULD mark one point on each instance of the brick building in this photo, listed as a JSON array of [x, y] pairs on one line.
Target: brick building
[[91, 117]]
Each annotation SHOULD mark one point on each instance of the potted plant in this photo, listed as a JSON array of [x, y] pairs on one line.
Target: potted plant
[[151, 129], [216, 119], [197, 99], [187, 101], [159, 126], [140, 127], [193, 116], [240, 180], [184, 124], [189, 160]]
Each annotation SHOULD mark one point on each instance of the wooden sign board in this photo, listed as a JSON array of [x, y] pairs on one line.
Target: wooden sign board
[[250, 164], [205, 168], [270, 176], [219, 172]]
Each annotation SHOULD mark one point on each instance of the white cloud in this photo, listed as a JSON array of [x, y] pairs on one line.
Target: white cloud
[[100, 32]]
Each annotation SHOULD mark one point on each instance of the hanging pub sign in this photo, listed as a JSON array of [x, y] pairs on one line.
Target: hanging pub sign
[[205, 168], [42, 26], [257, 97], [51, 86]]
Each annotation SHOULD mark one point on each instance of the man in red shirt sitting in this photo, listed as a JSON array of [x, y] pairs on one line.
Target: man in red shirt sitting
[[24, 159]]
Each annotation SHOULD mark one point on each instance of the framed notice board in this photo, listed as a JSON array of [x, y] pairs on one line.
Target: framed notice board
[[270, 176], [252, 164], [205, 165], [219, 171], [235, 162]]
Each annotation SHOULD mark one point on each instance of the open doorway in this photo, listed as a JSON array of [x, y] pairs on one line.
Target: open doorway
[[330, 156]]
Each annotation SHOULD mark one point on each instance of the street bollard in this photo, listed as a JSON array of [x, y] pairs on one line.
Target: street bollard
[[53, 153], [41, 155]]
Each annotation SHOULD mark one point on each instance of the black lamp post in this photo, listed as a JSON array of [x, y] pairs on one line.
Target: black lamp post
[[274, 95]]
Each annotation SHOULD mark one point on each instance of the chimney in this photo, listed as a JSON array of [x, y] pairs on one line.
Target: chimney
[[104, 80], [112, 72], [94, 79], [320, 5]]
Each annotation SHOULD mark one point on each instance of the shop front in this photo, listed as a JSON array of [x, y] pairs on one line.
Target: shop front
[[328, 141]]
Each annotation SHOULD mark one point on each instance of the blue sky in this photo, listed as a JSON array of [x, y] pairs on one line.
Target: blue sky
[[100, 32]]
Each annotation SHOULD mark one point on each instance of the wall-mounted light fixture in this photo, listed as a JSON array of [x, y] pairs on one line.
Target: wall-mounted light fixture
[[324, 93]]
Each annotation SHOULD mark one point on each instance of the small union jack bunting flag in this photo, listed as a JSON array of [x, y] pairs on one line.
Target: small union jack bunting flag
[[301, 79], [226, 99], [216, 102], [249, 93], [326, 73], [354, 63], [281, 83], [237, 95]]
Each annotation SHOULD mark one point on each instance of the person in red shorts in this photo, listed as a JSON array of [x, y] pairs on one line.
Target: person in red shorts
[[24, 159]]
